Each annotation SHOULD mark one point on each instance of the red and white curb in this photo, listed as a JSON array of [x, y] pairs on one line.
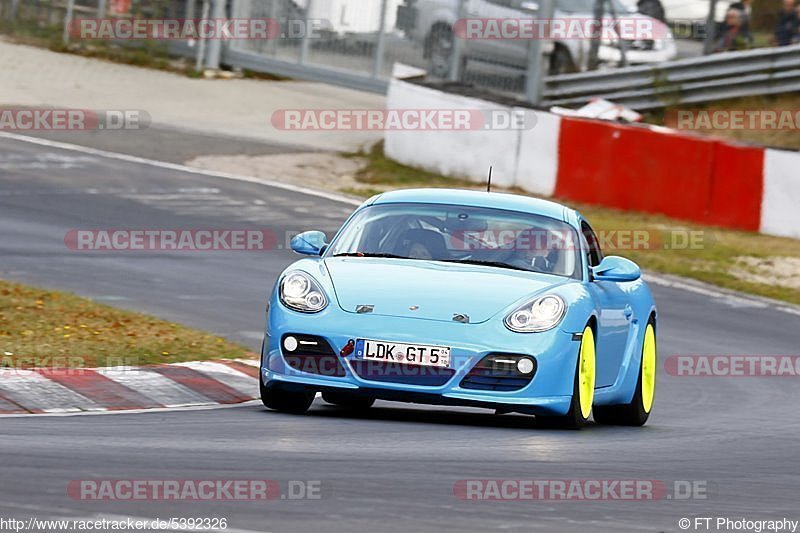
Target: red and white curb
[[204, 383]]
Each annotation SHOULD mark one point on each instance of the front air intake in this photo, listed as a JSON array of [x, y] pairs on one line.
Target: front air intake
[[311, 354], [501, 372]]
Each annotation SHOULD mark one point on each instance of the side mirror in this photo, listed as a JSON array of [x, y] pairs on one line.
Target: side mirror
[[614, 268], [309, 243]]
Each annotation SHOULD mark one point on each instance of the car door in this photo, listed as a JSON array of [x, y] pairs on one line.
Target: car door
[[505, 51], [615, 315]]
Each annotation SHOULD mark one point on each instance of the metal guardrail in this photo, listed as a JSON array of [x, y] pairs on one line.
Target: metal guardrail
[[693, 80], [341, 60]]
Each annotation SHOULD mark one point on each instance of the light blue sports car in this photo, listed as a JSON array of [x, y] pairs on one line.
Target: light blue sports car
[[467, 298]]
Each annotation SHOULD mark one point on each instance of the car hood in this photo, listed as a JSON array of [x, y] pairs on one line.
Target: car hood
[[431, 290]]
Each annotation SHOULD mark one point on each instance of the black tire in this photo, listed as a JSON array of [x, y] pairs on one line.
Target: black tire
[[572, 420], [348, 401], [286, 401], [561, 62], [630, 414], [440, 45]]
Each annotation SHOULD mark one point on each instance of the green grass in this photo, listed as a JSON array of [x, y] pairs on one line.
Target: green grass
[[712, 262], [778, 138], [45, 328]]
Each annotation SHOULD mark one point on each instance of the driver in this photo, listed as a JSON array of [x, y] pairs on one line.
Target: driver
[[532, 250]]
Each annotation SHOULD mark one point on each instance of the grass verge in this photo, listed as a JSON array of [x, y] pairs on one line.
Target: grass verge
[[787, 138], [747, 262], [45, 328]]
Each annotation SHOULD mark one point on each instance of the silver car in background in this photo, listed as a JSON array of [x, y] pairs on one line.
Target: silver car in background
[[431, 22]]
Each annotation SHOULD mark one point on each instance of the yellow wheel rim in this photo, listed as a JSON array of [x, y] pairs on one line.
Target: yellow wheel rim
[[648, 368], [586, 372]]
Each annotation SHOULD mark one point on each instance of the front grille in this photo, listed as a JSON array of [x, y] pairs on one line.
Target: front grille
[[498, 372], [313, 355], [402, 373]]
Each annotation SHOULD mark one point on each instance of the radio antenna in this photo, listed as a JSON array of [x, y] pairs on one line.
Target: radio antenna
[[489, 183]]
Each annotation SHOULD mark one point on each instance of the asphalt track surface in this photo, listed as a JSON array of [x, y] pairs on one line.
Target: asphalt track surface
[[394, 468]]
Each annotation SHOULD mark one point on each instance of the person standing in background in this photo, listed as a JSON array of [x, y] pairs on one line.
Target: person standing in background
[[745, 7], [730, 35], [786, 30]]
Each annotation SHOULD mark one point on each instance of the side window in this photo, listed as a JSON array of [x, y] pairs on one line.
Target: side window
[[595, 254]]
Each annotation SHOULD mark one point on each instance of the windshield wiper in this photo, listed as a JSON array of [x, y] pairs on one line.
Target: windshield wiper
[[368, 254], [498, 264]]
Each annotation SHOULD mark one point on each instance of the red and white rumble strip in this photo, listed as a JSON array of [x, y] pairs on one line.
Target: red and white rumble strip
[[127, 388]]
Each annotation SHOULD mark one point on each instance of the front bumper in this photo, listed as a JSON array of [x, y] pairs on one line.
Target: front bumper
[[613, 55], [549, 392]]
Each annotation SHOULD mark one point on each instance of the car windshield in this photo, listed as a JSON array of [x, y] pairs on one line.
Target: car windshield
[[587, 6], [459, 234]]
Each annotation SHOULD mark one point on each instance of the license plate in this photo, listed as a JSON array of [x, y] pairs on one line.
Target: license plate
[[395, 352]]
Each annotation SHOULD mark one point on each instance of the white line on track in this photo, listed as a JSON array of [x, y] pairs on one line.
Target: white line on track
[[181, 168], [725, 296]]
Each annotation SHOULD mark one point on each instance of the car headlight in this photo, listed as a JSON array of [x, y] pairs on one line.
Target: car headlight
[[300, 292], [540, 314]]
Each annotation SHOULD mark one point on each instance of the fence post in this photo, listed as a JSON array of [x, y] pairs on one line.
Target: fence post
[[215, 46], [273, 17], [305, 45], [711, 28], [68, 21], [201, 43], [377, 65], [458, 46], [101, 8], [534, 86], [594, 46]]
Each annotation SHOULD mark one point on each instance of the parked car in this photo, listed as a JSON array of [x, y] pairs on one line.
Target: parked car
[[687, 11], [431, 23], [455, 297]]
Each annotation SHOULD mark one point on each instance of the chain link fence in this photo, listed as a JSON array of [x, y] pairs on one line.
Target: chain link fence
[[357, 42]]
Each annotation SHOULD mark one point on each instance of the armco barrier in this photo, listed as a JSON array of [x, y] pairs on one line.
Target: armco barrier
[[632, 167]]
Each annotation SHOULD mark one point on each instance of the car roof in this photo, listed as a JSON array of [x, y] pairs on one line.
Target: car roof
[[496, 200]]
